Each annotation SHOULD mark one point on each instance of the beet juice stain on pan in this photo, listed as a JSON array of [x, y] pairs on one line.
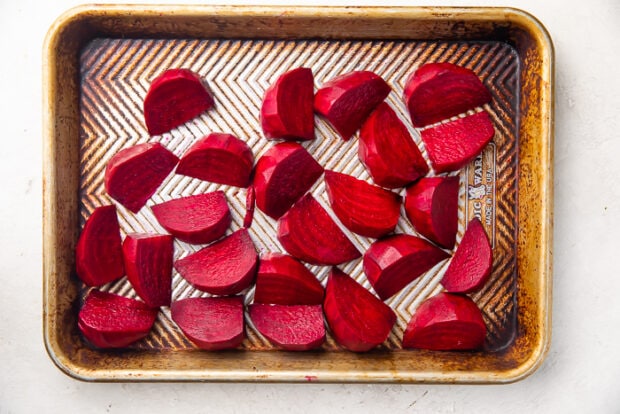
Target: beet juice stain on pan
[[103, 114]]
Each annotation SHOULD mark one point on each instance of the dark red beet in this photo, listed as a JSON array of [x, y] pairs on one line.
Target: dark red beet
[[287, 110], [148, 264], [358, 320], [225, 267], [211, 323], [452, 145], [446, 322], [432, 206], [282, 175], [387, 150], [363, 208], [472, 262], [219, 158], [111, 321], [133, 175], [99, 253], [195, 219], [174, 97], [293, 328], [250, 202], [308, 233], [346, 100], [392, 263], [438, 91], [283, 280]]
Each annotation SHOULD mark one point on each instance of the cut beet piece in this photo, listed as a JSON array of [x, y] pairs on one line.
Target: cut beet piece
[[283, 280], [250, 201], [432, 206], [392, 263], [446, 322], [112, 321], [211, 323], [387, 150], [363, 208], [472, 262], [148, 263], [287, 110], [225, 267], [133, 175], [346, 100], [293, 328], [358, 320], [308, 233], [452, 145], [283, 174], [438, 91], [197, 219], [219, 158], [174, 97], [99, 253]]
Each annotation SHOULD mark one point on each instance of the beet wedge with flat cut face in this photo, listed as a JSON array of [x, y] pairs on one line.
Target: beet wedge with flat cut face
[[472, 262], [148, 264], [446, 322], [250, 202], [108, 320], [133, 174], [283, 174], [175, 97], [219, 158], [387, 150], [432, 206], [363, 208], [292, 328], [392, 263], [308, 233], [358, 320], [99, 253], [197, 219], [347, 100], [438, 91], [212, 324], [287, 109], [225, 267], [283, 280], [452, 145]]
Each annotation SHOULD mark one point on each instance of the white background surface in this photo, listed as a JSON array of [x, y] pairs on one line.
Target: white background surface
[[582, 371]]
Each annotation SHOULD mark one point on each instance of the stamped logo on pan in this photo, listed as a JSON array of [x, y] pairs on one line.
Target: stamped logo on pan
[[480, 191]]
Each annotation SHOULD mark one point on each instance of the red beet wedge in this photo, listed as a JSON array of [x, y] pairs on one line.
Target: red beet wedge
[[225, 267], [99, 253], [174, 97], [211, 323], [358, 320], [148, 264], [472, 262], [219, 158], [452, 145], [438, 91], [195, 219], [293, 328], [392, 263], [111, 321], [133, 175], [446, 322], [287, 111], [432, 206], [250, 202], [346, 100], [283, 280], [387, 150], [363, 208], [308, 233], [282, 175]]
